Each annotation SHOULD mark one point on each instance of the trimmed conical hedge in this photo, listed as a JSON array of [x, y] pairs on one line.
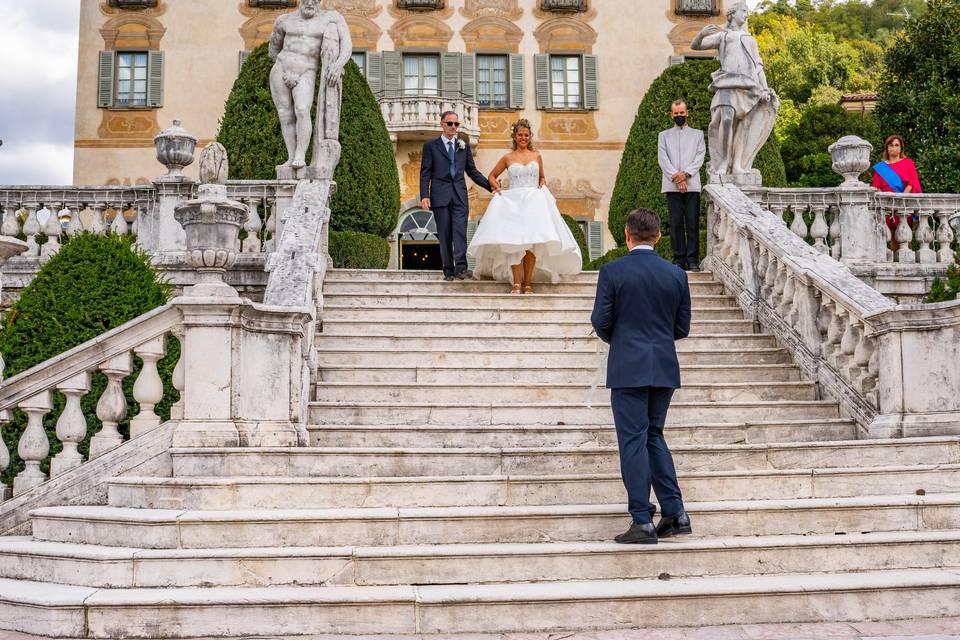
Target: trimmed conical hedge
[[368, 185], [638, 180]]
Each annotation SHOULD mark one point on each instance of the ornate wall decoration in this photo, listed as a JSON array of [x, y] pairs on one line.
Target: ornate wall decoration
[[495, 127], [576, 198], [586, 16], [257, 30], [568, 126], [363, 31], [479, 199], [686, 27], [565, 34], [492, 34], [251, 12], [150, 12], [410, 170], [128, 125], [398, 13], [421, 31], [132, 30], [368, 8], [507, 9]]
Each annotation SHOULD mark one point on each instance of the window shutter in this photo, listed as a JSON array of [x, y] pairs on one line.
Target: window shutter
[[375, 73], [243, 58], [155, 78], [590, 97], [471, 229], [595, 239], [516, 81], [391, 74], [541, 66], [450, 75], [106, 75], [468, 76], [675, 60]]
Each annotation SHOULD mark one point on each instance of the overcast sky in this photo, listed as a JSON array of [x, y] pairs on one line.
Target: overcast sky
[[38, 76]]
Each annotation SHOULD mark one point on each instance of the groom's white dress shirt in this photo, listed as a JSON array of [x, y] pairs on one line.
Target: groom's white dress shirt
[[681, 149]]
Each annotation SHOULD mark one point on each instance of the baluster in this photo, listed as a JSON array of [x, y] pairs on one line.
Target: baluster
[[52, 229], [780, 283], [31, 227], [819, 229], [148, 389], [799, 225], [11, 224], [252, 242], [270, 235], [835, 334], [119, 224], [825, 317], [871, 378], [135, 225], [74, 227], [72, 425], [785, 308], [177, 379], [779, 210], [925, 254], [945, 237], [770, 280], [848, 342], [836, 251], [98, 225], [904, 235], [763, 258], [862, 354], [5, 417], [112, 406], [34, 445]]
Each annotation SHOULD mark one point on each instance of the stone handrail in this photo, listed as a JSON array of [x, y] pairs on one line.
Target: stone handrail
[[861, 348], [69, 373]]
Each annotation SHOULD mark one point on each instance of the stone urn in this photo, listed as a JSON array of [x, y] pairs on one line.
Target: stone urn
[[851, 157], [175, 147], [212, 226]]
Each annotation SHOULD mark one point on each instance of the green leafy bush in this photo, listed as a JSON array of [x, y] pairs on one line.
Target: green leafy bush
[[368, 186], [579, 236], [945, 289], [94, 283], [804, 147], [355, 250], [609, 256], [638, 180], [920, 94]]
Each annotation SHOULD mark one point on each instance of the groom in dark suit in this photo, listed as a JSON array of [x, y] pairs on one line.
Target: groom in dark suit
[[443, 189], [642, 308]]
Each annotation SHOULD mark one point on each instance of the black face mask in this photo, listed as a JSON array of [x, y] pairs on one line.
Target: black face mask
[[680, 120]]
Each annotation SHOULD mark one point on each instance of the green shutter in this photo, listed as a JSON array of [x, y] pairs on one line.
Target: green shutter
[[243, 58], [450, 75], [468, 76], [471, 229], [375, 73], [590, 97], [106, 74], [516, 81], [675, 60], [392, 80], [595, 239], [155, 78], [541, 67]]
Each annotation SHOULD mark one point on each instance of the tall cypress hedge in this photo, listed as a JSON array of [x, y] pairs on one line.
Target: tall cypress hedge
[[368, 185], [638, 180], [93, 284]]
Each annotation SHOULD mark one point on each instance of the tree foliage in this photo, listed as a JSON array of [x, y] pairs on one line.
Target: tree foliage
[[638, 180], [579, 236], [804, 150], [355, 250], [368, 185]]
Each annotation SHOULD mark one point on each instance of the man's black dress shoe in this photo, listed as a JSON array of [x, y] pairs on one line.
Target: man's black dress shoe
[[463, 275], [638, 534], [674, 525], [695, 268], [448, 278]]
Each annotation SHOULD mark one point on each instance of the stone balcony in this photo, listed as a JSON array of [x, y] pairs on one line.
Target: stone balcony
[[418, 117]]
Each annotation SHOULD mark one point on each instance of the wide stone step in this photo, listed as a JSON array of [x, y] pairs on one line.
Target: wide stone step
[[340, 275], [412, 287], [346, 392], [452, 340], [502, 329], [301, 462], [245, 492], [489, 413], [120, 567], [445, 374], [411, 436], [480, 314], [501, 300], [177, 613], [334, 356], [373, 526]]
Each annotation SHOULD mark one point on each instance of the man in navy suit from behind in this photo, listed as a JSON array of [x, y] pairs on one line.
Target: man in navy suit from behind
[[642, 308], [443, 190]]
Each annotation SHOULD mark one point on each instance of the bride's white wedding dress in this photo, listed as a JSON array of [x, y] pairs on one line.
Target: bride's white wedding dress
[[521, 218]]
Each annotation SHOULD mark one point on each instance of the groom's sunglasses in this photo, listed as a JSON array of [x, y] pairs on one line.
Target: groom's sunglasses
[[452, 124]]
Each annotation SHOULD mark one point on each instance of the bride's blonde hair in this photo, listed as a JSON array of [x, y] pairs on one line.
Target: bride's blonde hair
[[522, 123]]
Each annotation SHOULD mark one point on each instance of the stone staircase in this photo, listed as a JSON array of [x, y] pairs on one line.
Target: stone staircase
[[458, 481]]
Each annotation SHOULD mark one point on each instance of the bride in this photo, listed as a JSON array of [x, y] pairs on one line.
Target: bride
[[522, 238]]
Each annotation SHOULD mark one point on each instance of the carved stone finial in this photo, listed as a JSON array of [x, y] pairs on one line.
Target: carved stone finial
[[851, 157], [214, 164]]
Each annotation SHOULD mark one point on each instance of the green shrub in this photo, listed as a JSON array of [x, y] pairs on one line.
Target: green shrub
[[354, 250], [945, 289], [368, 186], [609, 256], [94, 283], [579, 236], [638, 180], [805, 157]]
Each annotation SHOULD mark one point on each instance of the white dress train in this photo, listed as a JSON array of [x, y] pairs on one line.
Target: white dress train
[[524, 218]]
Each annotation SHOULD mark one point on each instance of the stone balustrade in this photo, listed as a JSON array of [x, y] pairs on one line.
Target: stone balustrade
[[418, 117], [886, 364]]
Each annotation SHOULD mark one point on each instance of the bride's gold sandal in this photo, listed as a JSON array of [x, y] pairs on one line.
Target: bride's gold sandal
[[515, 289], [527, 289]]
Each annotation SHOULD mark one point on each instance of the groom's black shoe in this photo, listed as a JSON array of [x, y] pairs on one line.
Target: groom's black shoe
[[674, 525], [638, 534], [448, 278], [464, 275]]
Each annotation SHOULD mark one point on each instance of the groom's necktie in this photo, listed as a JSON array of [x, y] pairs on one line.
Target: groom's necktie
[[453, 159]]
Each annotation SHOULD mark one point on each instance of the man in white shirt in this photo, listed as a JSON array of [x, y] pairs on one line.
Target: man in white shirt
[[680, 152]]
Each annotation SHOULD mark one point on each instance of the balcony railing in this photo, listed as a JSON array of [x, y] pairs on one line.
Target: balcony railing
[[697, 8], [133, 4], [420, 5], [418, 117], [568, 6], [272, 4]]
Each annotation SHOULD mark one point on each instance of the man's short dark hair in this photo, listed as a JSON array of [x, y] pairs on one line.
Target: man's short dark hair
[[444, 115], [643, 225]]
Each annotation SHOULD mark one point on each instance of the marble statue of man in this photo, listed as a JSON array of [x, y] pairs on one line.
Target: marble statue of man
[[300, 40], [744, 108]]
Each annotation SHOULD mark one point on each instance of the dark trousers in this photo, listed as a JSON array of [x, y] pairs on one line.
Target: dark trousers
[[639, 414], [684, 211], [452, 232]]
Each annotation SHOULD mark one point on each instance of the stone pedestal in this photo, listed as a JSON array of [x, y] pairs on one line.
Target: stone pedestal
[[158, 231], [861, 229]]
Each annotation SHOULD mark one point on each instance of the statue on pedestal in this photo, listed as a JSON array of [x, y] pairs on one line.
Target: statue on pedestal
[[744, 108], [301, 41]]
